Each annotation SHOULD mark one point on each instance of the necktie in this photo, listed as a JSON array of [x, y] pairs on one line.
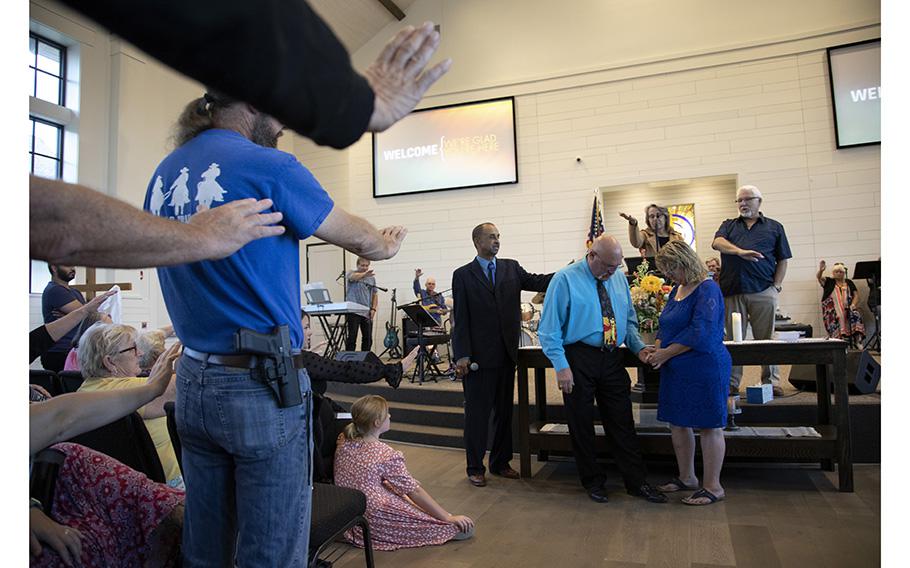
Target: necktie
[[491, 272], [606, 310]]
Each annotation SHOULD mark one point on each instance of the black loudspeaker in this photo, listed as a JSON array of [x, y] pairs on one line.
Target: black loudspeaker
[[357, 357], [863, 374]]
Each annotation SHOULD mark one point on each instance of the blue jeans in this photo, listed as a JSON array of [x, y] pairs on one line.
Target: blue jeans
[[247, 469]]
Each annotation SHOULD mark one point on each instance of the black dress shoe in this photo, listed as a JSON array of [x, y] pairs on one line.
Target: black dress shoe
[[599, 495], [649, 494]]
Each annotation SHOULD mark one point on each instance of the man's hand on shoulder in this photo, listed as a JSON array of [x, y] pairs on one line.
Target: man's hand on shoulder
[[227, 228], [397, 77]]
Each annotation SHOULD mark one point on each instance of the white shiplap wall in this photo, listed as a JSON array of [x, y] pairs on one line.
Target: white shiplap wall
[[768, 122]]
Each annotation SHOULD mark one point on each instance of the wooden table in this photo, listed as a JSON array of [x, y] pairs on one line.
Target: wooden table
[[828, 356]]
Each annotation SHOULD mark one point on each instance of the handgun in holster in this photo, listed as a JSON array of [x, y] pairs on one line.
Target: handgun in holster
[[276, 362]]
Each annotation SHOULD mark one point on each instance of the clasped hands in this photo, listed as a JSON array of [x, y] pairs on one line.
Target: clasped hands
[[654, 356]]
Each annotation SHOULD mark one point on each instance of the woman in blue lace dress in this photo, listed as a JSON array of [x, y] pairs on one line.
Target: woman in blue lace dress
[[694, 372]]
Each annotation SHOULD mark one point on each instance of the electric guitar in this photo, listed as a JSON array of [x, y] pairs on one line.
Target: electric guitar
[[391, 330]]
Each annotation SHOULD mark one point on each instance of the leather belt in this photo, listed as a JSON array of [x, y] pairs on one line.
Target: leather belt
[[240, 360]]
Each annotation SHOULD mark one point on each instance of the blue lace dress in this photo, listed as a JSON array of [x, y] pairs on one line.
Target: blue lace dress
[[694, 385]]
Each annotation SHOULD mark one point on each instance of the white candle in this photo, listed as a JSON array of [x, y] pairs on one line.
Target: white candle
[[737, 325]]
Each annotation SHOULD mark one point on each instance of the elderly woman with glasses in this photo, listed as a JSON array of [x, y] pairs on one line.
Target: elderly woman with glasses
[[110, 360], [656, 234]]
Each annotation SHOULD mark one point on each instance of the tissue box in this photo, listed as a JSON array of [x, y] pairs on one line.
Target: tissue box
[[759, 394]]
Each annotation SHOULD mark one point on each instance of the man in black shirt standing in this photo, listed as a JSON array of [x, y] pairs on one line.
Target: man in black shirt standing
[[754, 252]]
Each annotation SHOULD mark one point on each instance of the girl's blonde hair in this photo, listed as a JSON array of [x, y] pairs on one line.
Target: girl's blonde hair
[[365, 412]]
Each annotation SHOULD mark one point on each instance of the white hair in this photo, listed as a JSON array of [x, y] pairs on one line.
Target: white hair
[[100, 341], [150, 346], [754, 190]]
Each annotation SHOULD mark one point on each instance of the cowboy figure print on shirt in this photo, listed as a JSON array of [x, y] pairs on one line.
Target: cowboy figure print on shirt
[[209, 190], [158, 197], [180, 193]]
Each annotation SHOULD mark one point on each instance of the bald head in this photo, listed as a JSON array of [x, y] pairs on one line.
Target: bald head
[[431, 285], [605, 256]]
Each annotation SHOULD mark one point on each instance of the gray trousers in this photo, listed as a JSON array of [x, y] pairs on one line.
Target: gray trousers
[[757, 309]]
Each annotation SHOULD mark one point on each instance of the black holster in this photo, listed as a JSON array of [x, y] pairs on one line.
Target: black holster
[[276, 362]]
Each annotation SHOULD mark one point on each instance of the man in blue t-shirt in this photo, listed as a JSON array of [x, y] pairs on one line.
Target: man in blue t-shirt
[[754, 252], [246, 459], [57, 300]]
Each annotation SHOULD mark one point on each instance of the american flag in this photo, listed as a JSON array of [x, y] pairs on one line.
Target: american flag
[[597, 221]]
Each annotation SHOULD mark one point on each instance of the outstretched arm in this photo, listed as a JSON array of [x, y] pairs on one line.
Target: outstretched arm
[[74, 225], [359, 236]]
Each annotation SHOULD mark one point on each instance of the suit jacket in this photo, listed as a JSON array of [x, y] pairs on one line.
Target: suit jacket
[[486, 317]]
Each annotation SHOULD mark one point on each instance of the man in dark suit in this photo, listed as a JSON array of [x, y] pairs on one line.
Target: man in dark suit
[[487, 309]]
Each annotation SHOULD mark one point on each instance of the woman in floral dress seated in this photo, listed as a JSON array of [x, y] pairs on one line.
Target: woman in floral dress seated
[[400, 512], [103, 513], [840, 313]]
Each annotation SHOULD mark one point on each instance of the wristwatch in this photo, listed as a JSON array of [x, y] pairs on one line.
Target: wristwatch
[[778, 288]]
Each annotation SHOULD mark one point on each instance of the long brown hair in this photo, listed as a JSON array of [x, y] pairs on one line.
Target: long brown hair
[[199, 115], [365, 412]]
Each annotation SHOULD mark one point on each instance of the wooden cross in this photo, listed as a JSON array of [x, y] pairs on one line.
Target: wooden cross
[[91, 286]]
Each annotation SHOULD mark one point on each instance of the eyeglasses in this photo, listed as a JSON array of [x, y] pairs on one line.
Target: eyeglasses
[[133, 349], [743, 200]]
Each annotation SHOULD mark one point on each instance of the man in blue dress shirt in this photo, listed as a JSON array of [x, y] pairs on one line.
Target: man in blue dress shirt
[[587, 315]]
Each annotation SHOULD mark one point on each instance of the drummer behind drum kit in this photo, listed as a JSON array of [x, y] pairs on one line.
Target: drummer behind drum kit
[[530, 319]]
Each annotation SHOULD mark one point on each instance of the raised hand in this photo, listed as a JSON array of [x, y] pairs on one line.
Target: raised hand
[[418, 273], [632, 220], [393, 237], [160, 375], [822, 266], [397, 77], [93, 304]]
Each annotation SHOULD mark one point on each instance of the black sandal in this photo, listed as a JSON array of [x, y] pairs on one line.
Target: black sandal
[[677, 484], [712, 498]]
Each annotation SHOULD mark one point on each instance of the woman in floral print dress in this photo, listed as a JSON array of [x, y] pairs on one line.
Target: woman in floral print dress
[[400, 512]]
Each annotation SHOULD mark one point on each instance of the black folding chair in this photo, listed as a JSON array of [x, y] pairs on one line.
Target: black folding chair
[[127, 441], [43, 479], [172, 432], [335, 511], [70, 381]]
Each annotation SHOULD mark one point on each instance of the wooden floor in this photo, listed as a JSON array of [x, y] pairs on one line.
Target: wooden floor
[[774, 515]]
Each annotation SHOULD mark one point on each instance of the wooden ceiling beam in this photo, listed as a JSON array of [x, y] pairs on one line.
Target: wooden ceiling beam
[[393, 8]]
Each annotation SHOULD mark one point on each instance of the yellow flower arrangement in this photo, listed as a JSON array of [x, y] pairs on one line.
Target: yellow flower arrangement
[[651, 284], [649, 294]]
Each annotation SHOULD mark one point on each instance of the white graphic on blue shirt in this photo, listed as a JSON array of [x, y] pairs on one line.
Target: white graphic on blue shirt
[[158, 197], [180, 193], [209, 190]]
